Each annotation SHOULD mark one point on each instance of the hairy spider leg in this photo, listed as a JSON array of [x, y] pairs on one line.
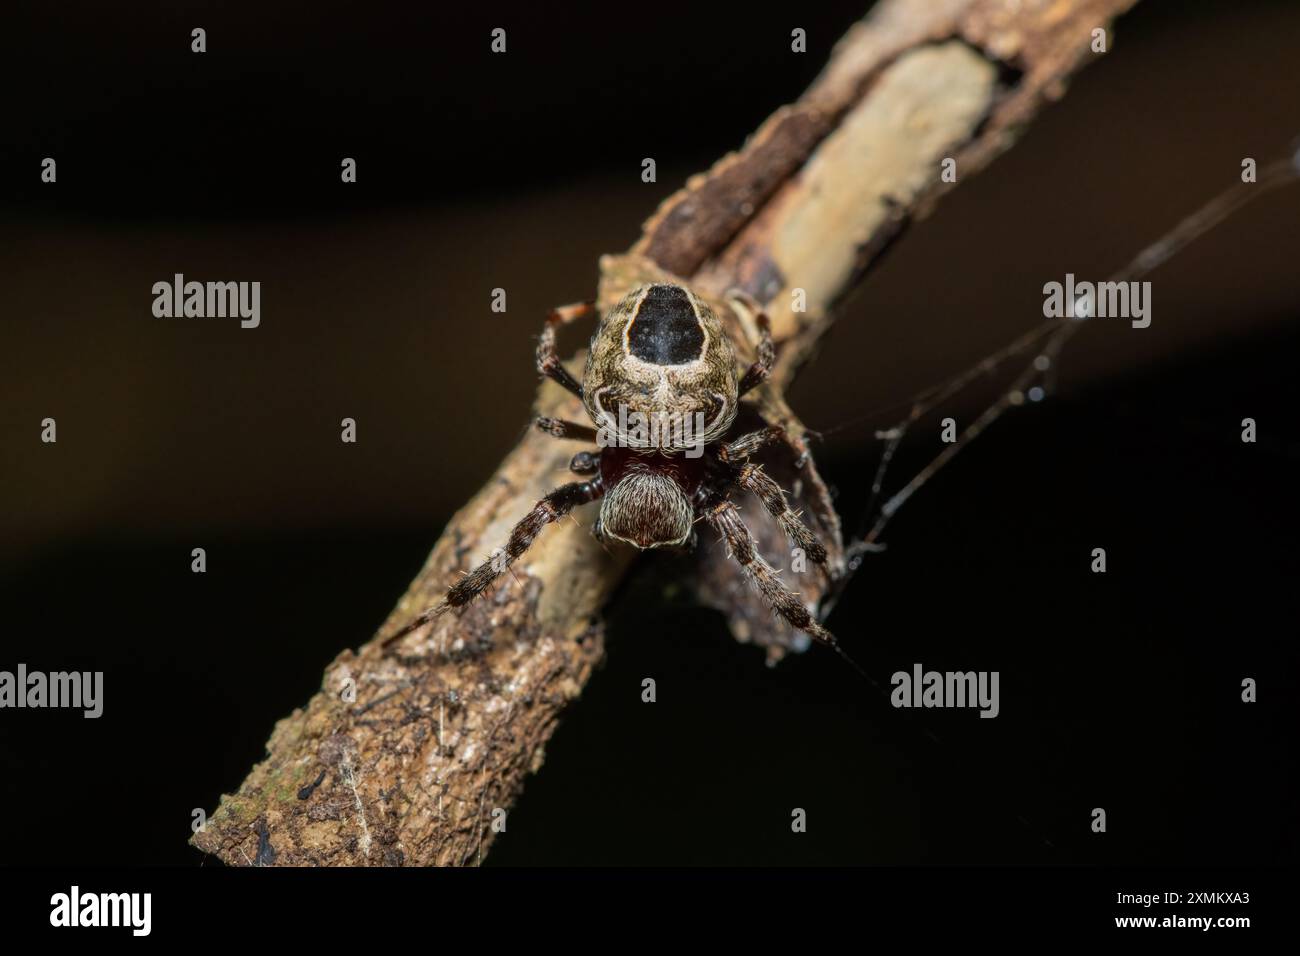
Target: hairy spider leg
[[725, 519], [752, 478], [743, 447], [559, 428], [551, 508], [766, 351], [750, 444], [548, 362]]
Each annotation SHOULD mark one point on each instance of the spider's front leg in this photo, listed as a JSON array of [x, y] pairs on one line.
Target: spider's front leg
[[765, 349], [551, 508], [548, 361], [725, 519]]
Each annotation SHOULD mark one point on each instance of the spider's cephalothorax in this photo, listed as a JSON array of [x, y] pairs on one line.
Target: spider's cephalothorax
[[662, 386]]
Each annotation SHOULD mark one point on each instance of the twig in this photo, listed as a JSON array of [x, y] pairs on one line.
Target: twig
[[806, 204]]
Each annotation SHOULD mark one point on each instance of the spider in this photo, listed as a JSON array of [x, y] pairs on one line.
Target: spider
[[662, 385]]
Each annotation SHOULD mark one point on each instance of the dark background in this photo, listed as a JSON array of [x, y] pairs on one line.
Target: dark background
[[478, 171]]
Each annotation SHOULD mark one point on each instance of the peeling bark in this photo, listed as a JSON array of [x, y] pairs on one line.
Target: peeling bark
[[404, 755]]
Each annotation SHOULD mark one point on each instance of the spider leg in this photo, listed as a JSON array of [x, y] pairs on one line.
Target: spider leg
[[551, 508], [746, 445], [766, 358], [780, 429], [752, 478], [548, 362], [726, 520], [559, 428]]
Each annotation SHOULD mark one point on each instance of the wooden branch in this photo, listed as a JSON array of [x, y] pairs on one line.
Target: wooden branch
[[408, 756]]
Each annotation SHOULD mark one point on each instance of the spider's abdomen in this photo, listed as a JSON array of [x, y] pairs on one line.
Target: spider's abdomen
[[665, 329], [662, 356]]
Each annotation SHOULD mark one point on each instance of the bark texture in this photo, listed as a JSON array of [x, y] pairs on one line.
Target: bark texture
[[407, 755]]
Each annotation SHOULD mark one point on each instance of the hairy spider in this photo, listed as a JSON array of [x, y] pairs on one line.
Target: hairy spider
[[662, 386]]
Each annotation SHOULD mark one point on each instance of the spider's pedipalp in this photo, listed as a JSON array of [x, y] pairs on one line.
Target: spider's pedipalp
[[585, 463], [554, 506], [752, 478], [726, 520]]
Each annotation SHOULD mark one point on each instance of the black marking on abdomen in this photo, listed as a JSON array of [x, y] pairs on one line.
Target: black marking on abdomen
[[665, 330]]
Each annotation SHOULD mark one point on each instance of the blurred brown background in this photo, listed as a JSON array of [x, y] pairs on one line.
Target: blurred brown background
[[378, 307]]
